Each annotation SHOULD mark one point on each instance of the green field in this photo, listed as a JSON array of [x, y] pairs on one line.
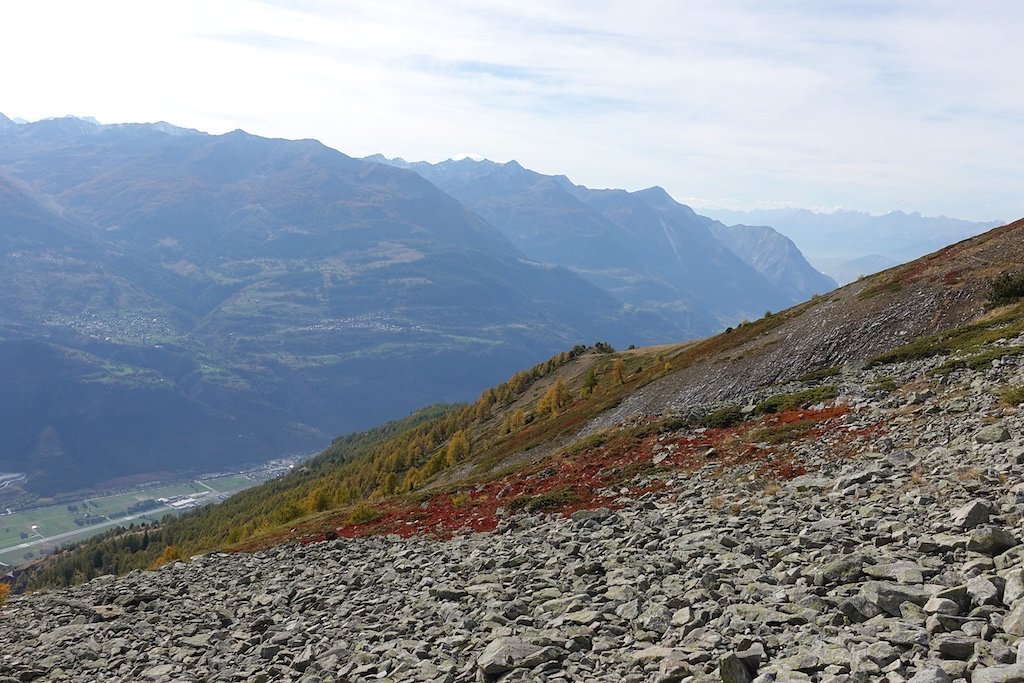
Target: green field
[[231, 484], [102, 513]]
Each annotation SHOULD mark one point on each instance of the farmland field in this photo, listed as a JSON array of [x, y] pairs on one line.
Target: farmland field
[[28, 534]]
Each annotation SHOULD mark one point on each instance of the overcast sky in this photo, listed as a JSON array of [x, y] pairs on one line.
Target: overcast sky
[[827, 104]]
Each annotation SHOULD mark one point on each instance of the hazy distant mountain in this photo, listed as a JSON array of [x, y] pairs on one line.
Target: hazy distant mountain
[[847, 244], [171, 299], [848, 270], [775, 257], [644, 247]]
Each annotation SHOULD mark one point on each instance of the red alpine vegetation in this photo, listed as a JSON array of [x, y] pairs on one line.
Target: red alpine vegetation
[[597, 476]]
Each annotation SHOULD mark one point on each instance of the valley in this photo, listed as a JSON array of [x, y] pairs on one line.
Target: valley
[[831, 493]]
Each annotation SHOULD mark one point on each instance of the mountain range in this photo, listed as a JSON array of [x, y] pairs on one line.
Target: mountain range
[[173, 301], [643, 247]]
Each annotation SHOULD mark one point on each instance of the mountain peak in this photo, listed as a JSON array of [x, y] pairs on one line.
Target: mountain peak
[[656, 193], [171, 129]]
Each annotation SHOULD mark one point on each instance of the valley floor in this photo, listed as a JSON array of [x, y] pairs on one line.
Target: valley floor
[[30, 533], [895, 557]]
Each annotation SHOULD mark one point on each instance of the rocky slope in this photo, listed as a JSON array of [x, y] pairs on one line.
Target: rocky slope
[[846, 326], [872, 537]]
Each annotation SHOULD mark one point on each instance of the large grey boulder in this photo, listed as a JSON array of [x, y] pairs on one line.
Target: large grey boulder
[[1013, 622], [505, 654], [889, 596], [992, 434], [989, 539], [972, 514]]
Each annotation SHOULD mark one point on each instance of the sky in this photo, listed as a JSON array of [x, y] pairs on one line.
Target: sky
[[863, 105]]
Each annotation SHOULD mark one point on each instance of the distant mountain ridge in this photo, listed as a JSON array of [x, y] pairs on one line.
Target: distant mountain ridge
[[848, 244], [643, 247], [174, 300]]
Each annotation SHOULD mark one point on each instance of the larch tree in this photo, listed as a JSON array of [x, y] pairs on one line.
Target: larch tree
[[458, 448]]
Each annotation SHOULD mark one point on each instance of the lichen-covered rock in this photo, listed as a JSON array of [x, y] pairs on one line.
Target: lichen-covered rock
[[1013, 673], [505, 654], [992, 434]]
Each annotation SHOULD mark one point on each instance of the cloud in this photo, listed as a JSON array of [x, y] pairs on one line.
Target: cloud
[[266, 41]]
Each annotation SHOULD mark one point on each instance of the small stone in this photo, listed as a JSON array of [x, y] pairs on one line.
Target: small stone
[[656, 618], [846, 569], [984, 591], [954, 646], [303, 659], [1014, 587], [901, 572], [158, 671], [957, 594], [902, 633], [543, 656], [447, 593], [682, 617], [674, 668], [931, 674], [937, 605]]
